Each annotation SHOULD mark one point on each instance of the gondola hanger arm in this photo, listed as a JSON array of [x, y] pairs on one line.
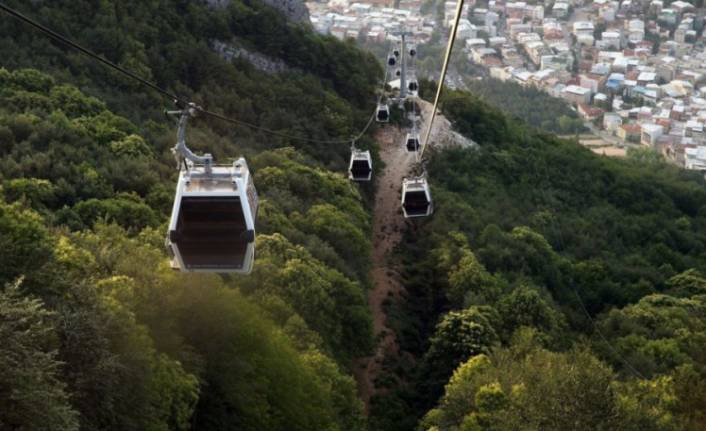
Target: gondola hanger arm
[[180, 150]]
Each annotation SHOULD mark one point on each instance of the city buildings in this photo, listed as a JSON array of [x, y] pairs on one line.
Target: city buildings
[[633, 68]]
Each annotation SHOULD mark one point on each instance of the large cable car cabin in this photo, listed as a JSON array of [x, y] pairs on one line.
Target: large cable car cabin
[[383, 113], [412, 142], [212, 226], [361, 166], [416, 198]]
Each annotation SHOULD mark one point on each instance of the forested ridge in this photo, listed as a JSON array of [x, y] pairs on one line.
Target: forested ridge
[[553, 289], [98, 332], [528, 104]]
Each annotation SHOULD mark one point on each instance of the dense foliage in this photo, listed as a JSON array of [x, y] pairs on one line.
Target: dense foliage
[[114, 339], [553, 289], [602, 259], [326, 93], [529, 104], [100, 333]]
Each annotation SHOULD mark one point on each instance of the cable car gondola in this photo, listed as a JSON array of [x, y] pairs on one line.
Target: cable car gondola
[[416, 198], [391, 60], [412, 51], [395, 52], [383, 113], [412, 142], [361, 165], [398, 72], [413, 85], [212, 226]]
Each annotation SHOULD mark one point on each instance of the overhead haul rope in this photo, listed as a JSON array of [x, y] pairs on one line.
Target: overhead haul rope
[[63, 39], [572, 284], [353, 140], [56, 36], [440, 86], [387, 67]]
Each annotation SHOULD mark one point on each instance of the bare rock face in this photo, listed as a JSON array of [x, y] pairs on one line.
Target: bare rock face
[[294, 10], [261, 62]]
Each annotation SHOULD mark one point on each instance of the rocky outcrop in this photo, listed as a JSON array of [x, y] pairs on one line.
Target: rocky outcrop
[[261, 62], [294, 10]]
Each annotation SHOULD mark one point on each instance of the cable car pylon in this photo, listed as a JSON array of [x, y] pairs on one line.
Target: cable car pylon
[[402, 33]]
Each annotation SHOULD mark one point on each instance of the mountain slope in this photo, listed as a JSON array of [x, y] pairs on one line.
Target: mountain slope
[[120, 341], [551, 289], [141, 346], [537, 245]]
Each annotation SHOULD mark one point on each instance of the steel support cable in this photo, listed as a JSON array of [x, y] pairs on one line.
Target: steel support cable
[[54, 35], [572, 284], [85, 51], [449, 48], [384, 84]]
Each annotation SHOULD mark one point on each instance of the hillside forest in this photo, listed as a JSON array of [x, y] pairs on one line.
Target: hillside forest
[[553, 289]]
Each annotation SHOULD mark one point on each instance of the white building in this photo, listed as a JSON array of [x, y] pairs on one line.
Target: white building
[[611, 121], [583, 28], [695, 158], [560, 10], [576, 94], [636, 30], [610, 40], [585, 39], [650, 134], [474, 43], [466, 30]]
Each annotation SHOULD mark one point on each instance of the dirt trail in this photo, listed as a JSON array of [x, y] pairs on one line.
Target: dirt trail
[[388, 225]]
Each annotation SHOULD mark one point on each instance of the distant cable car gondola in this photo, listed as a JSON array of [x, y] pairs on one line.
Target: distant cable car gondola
[[412, 51], [398, 72], [383, 113], [361, 166], [391, 60], [416, 198], [413, 85], [395, 52], [212, 226], [412, 142]]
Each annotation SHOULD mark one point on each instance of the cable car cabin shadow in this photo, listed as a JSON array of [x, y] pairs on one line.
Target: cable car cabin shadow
[[416, 198], [360, 167], [212, 228], [412, 142]]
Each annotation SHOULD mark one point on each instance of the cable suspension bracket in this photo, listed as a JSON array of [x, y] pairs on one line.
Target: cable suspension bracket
[[180, 150]]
